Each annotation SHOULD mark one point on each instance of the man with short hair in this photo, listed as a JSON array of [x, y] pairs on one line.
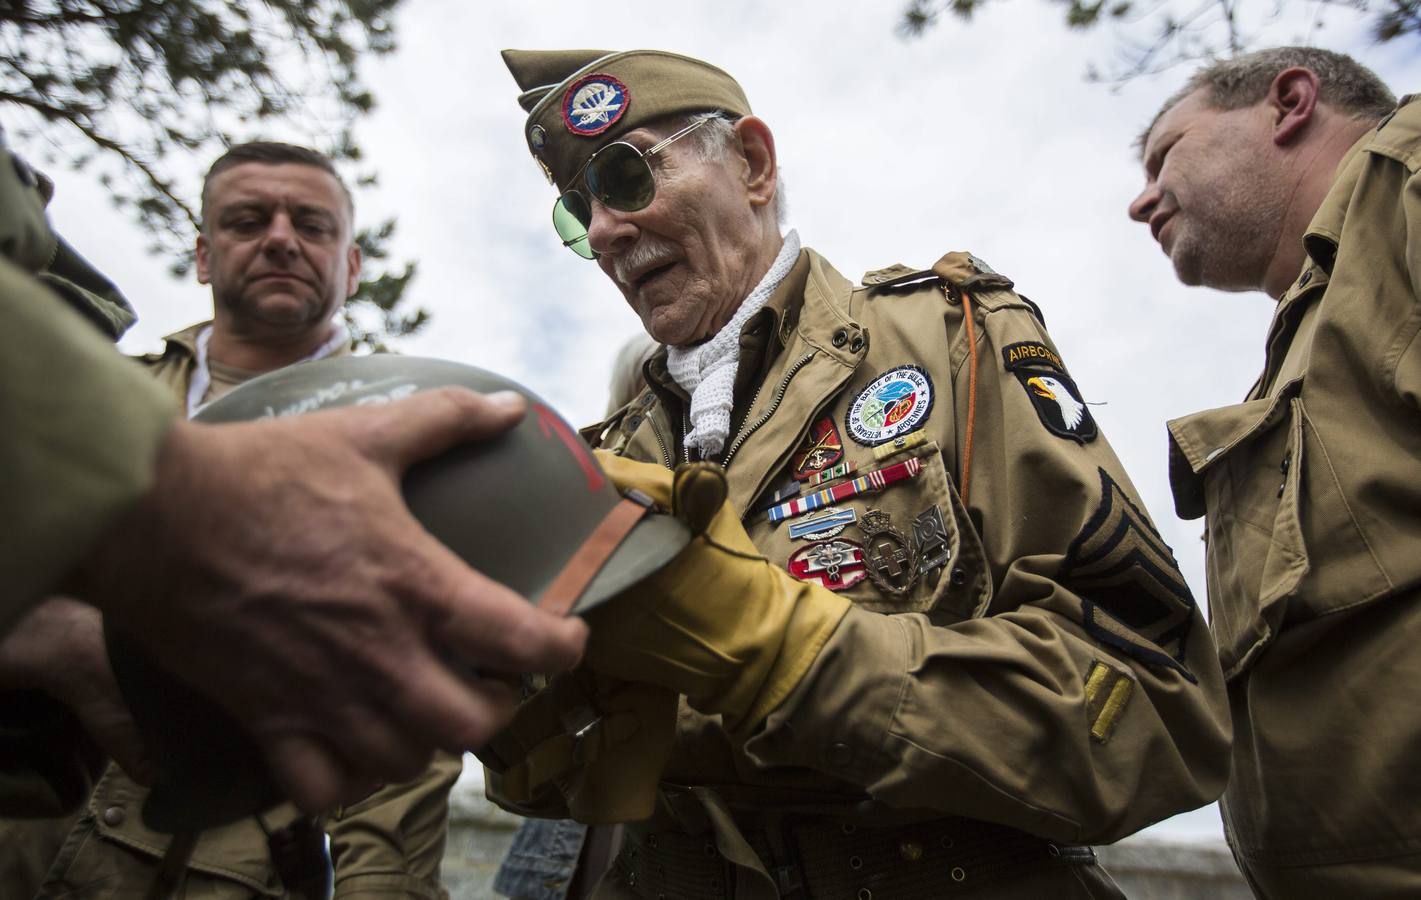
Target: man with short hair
[[277, 248], [945, 647], [1294, 172]]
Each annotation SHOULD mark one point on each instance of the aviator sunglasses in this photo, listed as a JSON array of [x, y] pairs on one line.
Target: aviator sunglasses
[[619, 177]]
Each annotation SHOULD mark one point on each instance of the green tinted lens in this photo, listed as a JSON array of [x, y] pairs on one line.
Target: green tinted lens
[[620, 177], [571, 216]]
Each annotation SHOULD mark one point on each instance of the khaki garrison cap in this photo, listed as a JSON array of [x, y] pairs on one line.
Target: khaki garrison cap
[[579, 100]]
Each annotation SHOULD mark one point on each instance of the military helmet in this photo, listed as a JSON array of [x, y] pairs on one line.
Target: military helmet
[[530, 508]]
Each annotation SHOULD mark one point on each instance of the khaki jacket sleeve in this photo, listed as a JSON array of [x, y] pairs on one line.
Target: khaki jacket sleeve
[[391, 843], [1085, 701], [79, 424]]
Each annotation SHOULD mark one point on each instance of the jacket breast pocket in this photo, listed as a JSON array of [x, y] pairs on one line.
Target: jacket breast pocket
[[906, 547], [1243, 465]]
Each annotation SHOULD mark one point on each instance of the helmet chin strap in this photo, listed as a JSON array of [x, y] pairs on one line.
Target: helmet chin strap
[[594, 552]]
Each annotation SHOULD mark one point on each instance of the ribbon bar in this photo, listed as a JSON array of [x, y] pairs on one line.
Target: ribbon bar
[[868, 482]]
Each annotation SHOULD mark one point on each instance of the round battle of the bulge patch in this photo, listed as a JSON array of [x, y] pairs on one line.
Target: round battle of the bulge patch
[[894, 403], [594, 104]]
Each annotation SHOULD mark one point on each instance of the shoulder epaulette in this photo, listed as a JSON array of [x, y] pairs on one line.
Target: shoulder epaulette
[[893, 276]]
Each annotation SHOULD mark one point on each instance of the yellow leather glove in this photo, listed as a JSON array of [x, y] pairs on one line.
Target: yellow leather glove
[[601, 743], [721, 624]]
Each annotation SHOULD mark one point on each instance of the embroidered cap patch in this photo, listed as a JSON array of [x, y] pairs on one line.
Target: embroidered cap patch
[[894, 403], [594, 104], [1058, 402]]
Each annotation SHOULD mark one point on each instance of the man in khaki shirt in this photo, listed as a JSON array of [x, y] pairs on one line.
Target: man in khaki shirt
[[1293, 171], [973, 652], [277, 249]]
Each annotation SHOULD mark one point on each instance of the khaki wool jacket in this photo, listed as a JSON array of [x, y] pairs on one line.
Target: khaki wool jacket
[[1033, 658], [1312, 488]]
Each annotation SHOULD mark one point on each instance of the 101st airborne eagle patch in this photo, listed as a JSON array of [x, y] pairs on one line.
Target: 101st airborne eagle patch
[[1133, 596], [1053, 394], [1059, 405]]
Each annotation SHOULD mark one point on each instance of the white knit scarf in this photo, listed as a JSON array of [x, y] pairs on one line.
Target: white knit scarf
[[707, 371]]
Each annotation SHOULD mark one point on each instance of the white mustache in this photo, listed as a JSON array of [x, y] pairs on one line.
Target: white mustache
[[645, 254]]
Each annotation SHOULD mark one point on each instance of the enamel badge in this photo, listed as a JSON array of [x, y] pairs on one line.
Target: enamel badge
[[593, 104], [890, 558], [1059, 404], [822, 448], [930, 534], [825, 525], [836, 565], [894, 403]]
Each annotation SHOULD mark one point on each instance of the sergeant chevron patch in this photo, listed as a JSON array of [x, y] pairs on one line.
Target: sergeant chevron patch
[[1133, 596]]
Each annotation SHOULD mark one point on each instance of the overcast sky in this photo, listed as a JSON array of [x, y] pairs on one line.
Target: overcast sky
[[982, 137]]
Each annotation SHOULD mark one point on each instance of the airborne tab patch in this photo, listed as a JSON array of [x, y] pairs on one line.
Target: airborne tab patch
[[1031, 353], [1058, 402], [1133, 596]]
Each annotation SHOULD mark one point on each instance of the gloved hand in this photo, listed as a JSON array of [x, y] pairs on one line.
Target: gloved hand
[[721, 624], [602, 743]]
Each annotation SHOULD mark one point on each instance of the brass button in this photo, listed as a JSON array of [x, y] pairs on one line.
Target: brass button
[[113, 816], [912, 851], [841, 337]]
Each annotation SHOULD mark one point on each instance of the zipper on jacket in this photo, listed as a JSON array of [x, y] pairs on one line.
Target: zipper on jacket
[[748, 430], [660, 441]]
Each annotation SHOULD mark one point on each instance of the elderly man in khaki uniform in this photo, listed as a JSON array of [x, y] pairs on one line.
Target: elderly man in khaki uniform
[[1294, 172], [277, 249], [933, 645]]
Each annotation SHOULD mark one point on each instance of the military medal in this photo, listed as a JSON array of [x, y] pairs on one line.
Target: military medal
[[822, 448], [889, 557], [876, 480], [898, 445], [825, 525], [836, 565], [930, 534], [893, 404], [840, 470], [778, 496]]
